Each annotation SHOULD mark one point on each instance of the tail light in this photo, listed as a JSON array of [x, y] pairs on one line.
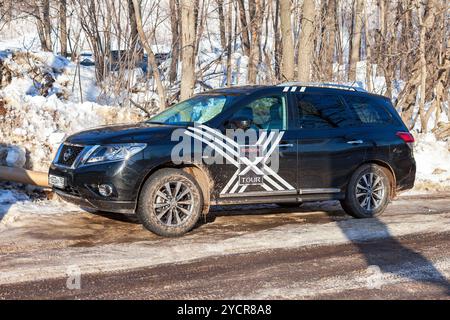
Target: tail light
[[407, 137]]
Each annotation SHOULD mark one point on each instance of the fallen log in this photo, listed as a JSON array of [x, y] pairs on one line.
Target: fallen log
[[24, 176]]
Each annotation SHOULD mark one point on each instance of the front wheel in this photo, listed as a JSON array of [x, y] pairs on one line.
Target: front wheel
[[170, 203], [367, 193]]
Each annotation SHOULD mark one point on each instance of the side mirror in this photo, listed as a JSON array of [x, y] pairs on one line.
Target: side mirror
[[240, 123]]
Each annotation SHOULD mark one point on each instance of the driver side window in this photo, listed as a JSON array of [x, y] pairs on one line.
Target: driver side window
[[266, 112]]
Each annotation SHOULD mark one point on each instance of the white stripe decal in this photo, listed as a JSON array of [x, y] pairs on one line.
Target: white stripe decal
[[293, 89], [230, 150]]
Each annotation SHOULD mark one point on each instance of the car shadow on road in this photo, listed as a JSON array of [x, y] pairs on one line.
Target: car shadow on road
[[388, 257], [307, 210]]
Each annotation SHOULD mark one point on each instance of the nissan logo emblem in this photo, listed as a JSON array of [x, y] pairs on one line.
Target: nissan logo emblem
[[67, 154]]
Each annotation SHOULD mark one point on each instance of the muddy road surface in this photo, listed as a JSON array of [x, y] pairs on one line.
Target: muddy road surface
[[261, 252]]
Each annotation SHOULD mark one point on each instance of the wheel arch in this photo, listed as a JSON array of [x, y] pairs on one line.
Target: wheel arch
[[200, 174], [389, 171]]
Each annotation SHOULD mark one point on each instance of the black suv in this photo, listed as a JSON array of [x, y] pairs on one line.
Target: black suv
[[281, 144]]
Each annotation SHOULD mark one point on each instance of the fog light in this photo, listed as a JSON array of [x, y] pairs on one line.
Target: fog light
[[105, 190]]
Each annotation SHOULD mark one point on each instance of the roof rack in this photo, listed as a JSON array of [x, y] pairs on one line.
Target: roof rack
[[323, 85]]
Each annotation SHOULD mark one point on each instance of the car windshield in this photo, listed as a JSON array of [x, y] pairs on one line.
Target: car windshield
[[199, 109]]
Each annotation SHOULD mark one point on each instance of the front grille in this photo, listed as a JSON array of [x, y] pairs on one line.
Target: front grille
[[69, 154]]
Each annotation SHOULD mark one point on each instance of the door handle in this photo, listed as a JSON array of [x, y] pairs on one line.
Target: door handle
[[286, 145], [355, 142]]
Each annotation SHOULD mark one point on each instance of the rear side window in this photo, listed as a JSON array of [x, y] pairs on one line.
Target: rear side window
[[322, 111], [369, 110]]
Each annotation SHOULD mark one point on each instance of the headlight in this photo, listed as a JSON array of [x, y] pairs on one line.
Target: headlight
[[115, 152]]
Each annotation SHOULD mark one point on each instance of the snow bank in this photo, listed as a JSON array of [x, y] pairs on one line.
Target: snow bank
[[8, 198], [11, 196], [433, 162], [39, 108]]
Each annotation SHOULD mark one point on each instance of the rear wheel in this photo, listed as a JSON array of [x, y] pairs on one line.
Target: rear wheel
[[170, 203], [368, 192]]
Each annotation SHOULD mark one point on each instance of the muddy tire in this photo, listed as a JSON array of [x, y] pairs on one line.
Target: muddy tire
[[368, 191], [170, 203]]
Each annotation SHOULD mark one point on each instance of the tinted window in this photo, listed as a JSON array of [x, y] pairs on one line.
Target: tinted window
[[322, 111], [265, 113], [200, 109], [369, 110]]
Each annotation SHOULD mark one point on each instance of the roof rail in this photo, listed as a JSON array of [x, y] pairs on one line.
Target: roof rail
[[322, 85]]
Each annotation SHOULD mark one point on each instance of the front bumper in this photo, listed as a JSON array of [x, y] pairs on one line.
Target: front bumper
[[102, 205], [81, 184]]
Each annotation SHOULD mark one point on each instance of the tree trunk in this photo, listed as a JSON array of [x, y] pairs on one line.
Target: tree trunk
[[330, 27], [287, 63], [306, 43], [369, 80], [223, 39], [45, 25], [188, 48], [63, 26], [244, 28], [277, 44], [133, 26], [41, 34], [175, 31], [255, 25], [229, 43], [425, 22], [356, 39], [151, 56]]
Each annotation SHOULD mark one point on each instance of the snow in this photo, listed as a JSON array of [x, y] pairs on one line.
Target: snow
[[9, 198], [16, 157], [15, 204], [432, 160], [39, 123]]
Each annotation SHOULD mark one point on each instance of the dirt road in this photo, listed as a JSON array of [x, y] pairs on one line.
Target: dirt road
[[314, 251]]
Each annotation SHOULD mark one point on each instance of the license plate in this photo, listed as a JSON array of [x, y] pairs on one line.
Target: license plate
[[55, 181]]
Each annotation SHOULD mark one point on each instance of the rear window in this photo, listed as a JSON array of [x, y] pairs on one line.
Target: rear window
[[322, 111], [369, 110]]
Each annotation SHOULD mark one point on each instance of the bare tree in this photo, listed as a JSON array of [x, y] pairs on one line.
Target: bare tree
[[244, 28], [46, 24], [287, 64], [330, 38], [256, 13], [369, 80], [175, 47], [426, 22], [63, 26], [133, 26], [306, 43], [220, 8], [151, 56], [229, 42], [187, 48], [355, 45], [277, 40]]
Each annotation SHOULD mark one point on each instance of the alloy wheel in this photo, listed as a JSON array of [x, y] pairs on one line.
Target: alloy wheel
[[173, 203], [370, 191]]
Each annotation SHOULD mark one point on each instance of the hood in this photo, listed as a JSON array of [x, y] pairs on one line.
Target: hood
[[122, 133]]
